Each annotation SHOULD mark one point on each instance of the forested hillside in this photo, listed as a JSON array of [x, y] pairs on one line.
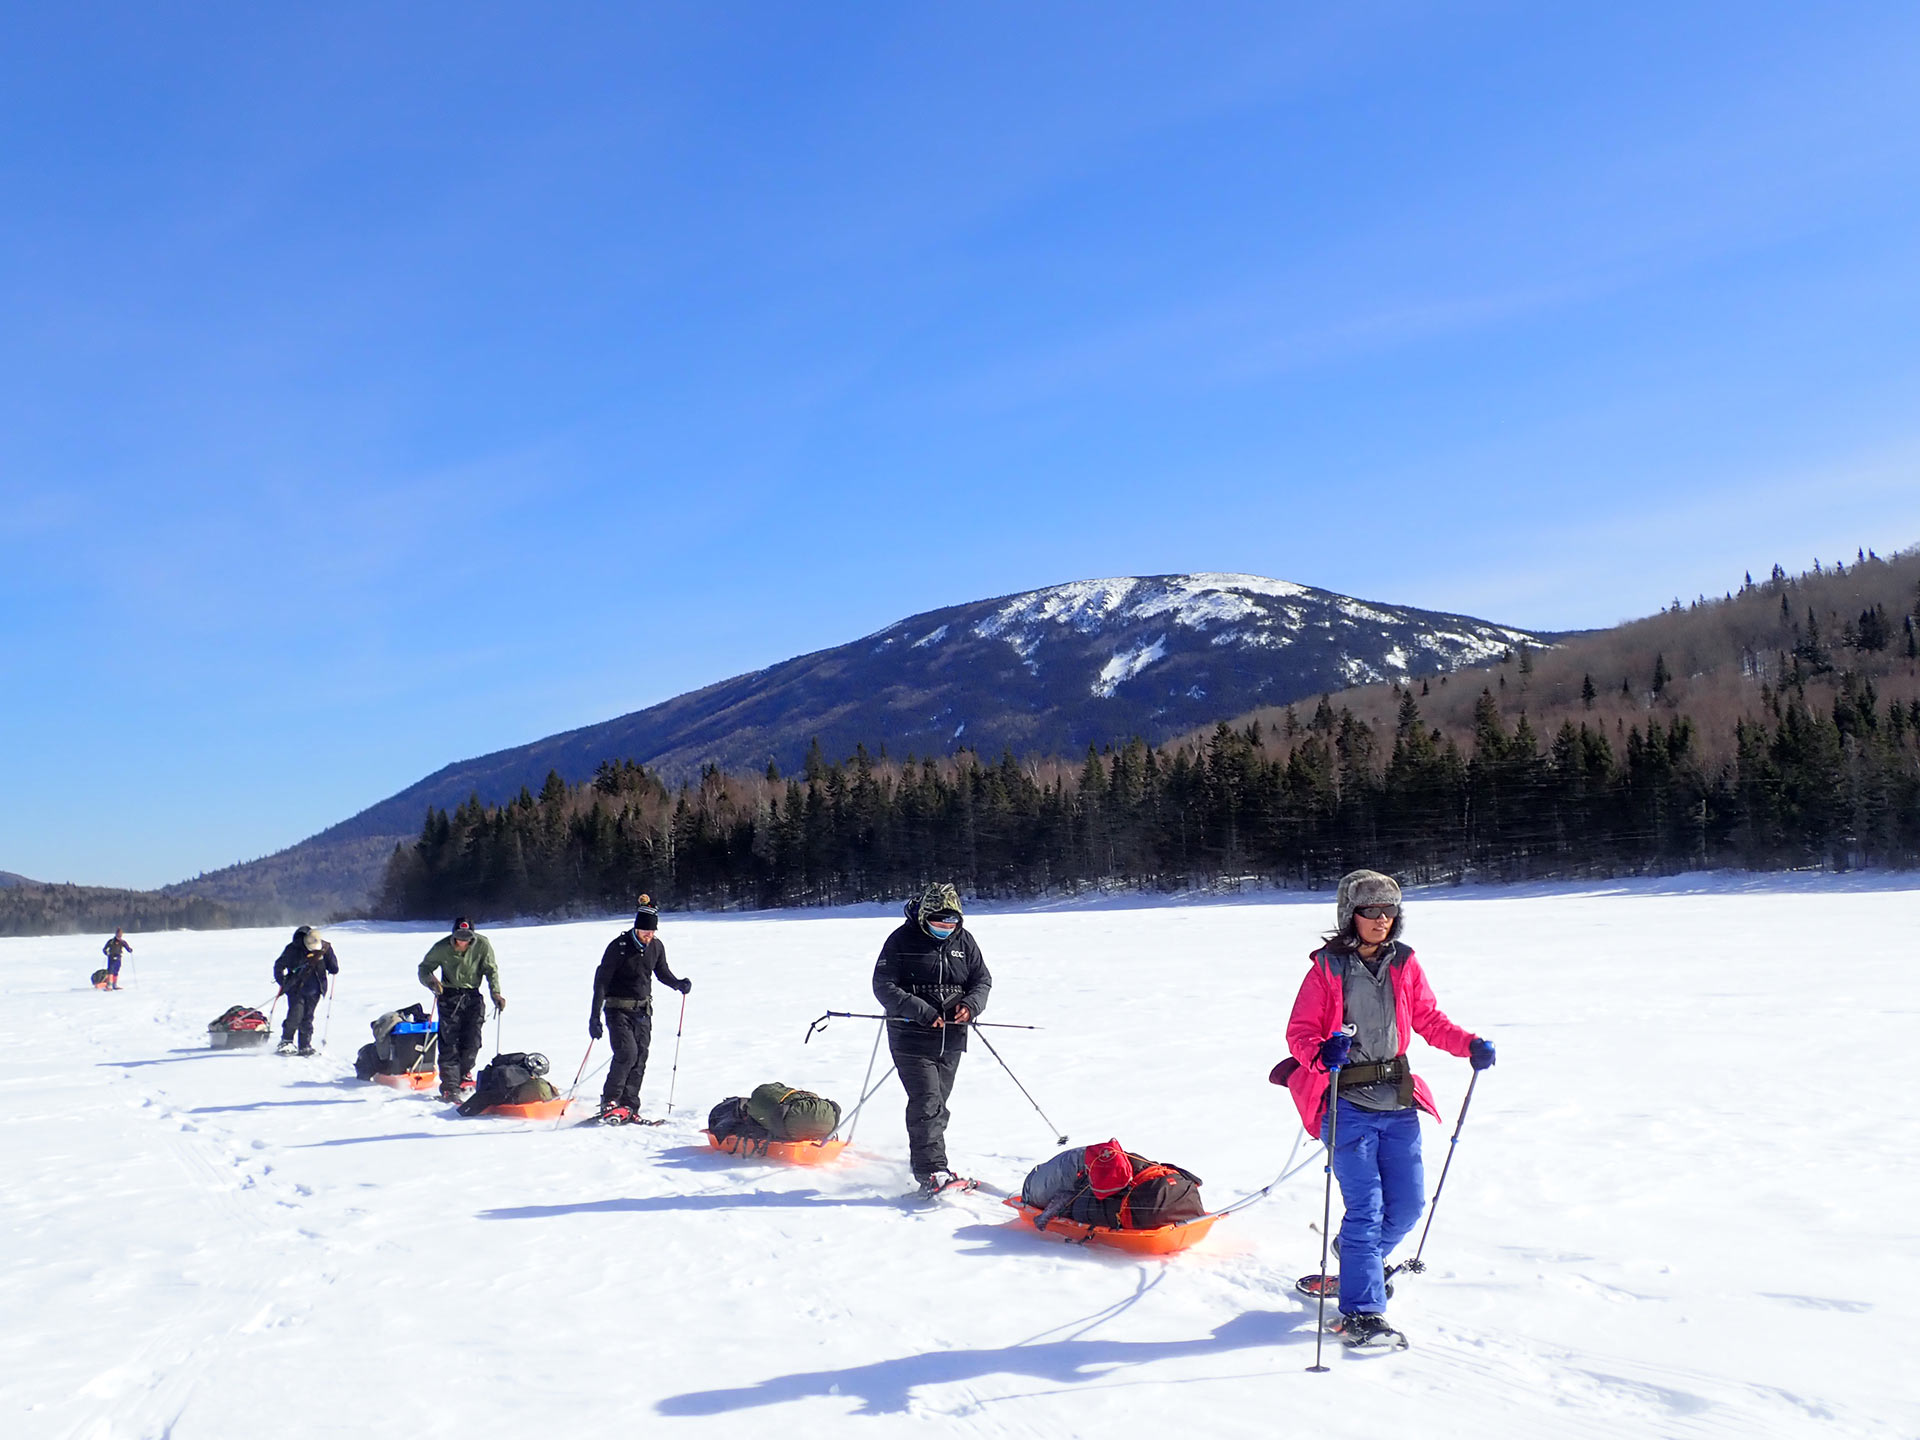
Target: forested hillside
[[1776, 727], [34, 909]]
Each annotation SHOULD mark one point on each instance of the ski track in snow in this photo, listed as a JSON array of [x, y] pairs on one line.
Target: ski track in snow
[[1673, 1212]]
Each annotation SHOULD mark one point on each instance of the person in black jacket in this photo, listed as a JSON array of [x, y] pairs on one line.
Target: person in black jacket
[[931, 980], [623, 992], [301, 973]]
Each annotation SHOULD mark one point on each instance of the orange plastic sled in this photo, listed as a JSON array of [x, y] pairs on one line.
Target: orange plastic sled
[[787, 1152], [1163, 1240], [410, 1080], [533, 1110]]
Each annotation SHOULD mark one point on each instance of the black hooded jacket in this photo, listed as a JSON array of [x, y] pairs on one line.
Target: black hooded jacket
[[627, 972], [919, 979], [300, 971]]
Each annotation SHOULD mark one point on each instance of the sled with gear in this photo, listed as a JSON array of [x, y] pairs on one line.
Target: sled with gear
[[550, 1109], [1105, 1195], [1157, 1240], [103, 980], [777, 1122], [241, 1028], [514, 1086], [405, 1052], [787, 1152]]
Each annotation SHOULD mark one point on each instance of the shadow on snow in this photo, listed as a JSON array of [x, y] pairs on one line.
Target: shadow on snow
[[653, 1204], [888, 1386]]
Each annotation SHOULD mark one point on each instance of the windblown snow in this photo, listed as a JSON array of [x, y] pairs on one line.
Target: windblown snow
[[1677, 1207]]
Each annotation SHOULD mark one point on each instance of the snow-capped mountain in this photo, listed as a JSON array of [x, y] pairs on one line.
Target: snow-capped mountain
[[1049, 671]]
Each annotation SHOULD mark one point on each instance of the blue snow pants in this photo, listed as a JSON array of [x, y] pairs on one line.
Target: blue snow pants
[[1376, 1159]]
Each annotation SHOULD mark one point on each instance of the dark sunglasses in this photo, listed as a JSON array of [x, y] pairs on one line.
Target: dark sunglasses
[[1377, 912]]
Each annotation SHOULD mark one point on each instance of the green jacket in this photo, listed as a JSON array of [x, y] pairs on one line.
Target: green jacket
[[461, 972]]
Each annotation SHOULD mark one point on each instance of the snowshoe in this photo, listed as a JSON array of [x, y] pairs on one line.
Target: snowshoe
[[615, 1115], [943, 1182], [1311, 1285], [306, 1050], [285, 1047], [1365, 1331]]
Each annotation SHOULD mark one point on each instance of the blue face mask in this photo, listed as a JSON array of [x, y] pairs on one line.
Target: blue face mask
[[942, 929]]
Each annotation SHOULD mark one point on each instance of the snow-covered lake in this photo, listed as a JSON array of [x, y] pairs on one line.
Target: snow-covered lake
[[1684, 1204]]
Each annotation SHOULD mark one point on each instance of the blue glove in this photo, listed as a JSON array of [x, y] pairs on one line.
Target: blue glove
[[1480, 1053], [1334, 1051]]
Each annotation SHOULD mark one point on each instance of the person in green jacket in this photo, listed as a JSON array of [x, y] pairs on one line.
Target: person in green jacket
[[463, 959]]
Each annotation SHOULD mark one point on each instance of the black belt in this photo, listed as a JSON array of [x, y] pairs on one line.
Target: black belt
[[1381, 1072]]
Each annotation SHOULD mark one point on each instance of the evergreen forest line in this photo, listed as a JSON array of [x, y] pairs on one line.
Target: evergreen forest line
[[1296, 803]]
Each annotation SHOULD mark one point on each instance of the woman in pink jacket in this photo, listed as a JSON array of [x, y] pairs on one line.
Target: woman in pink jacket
[[1363, 998]]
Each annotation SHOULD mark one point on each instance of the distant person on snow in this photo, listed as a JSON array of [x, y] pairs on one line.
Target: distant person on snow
[[932, 981], [113, 950], [302, 973], [1363, 977], [463, 959], [623, 992]]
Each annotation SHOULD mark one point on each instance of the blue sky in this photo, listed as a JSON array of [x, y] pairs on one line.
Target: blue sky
[[383, 385]]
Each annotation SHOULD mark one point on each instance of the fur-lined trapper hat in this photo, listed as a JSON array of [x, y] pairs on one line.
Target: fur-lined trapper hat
[[1365, 887]]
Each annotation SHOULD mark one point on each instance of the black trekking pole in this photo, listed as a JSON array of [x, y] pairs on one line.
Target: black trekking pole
[[576, 1081], [326, 1028], [1415, 1266], [1061, 1139], [872, 1058], [1326, 1215], [821, 1023], [673, 1083]]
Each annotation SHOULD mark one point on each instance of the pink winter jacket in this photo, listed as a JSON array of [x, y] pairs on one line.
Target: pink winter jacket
[[1319, 1010]]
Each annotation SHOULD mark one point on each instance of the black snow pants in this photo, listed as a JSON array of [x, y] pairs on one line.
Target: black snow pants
[[463, 1028], [929, 1081], [630, 1032], [299, 1025]]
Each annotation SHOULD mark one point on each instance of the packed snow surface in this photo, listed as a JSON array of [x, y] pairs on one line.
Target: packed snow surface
[[1683, 1203]]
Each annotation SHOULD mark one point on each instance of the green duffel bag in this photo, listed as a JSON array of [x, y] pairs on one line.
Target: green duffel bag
[[789, 1114]]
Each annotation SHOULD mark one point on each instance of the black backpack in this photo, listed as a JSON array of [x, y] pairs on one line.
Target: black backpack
[[1160, 1194], [509, 1079], [730, 1118]]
